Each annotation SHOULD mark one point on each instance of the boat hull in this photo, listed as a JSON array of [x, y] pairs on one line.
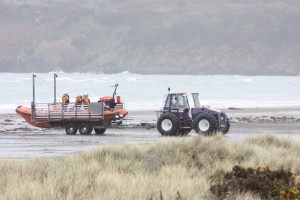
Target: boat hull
[[26, 113]]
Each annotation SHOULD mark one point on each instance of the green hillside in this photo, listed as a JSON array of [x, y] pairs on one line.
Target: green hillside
[[259, 37]]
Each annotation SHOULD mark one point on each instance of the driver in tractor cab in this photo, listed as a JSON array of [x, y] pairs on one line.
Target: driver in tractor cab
[[86, 99], [173, 102], [66, 98]]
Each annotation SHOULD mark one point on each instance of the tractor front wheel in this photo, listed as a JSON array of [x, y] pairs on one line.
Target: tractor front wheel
[[168, 124], [206, 124]]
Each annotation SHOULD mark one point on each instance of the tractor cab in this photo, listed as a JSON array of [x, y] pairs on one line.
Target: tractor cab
[[176, 102]]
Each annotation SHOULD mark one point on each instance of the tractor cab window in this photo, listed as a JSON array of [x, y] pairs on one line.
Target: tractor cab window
[[171, 102], [167, 104], [182, 102], [174, 102]]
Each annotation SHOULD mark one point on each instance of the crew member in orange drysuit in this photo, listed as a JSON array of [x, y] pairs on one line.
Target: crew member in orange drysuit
[[78, 99], [66, 98], [86, 99]]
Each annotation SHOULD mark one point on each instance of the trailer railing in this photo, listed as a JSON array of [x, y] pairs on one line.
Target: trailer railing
[[59, 111]]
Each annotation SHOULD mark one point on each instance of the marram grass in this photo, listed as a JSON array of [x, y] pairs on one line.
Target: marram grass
[[174, 168]]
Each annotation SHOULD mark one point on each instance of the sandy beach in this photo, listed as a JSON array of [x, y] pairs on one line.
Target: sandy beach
[[19, 140]]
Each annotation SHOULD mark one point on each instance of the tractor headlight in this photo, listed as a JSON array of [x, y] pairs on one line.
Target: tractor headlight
[[117, 116]]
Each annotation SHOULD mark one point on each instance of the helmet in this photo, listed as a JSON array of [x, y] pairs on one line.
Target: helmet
[[66, 93]]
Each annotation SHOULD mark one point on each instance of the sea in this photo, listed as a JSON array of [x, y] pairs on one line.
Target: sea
[[146, 92]]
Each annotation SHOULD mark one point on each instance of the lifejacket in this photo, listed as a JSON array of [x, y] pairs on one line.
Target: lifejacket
[[66, 99], [86, 100], [78, 99]]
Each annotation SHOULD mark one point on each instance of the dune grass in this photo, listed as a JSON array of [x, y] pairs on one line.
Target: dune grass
[[174, 168]]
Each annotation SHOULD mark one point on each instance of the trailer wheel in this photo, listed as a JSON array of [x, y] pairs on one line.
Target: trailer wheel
[[99, 131], [71, 129], [206, 124], [85, 129], [168, 124]]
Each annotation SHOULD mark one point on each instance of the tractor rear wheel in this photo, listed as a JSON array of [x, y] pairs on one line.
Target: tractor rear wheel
[[85, 129], [71, 129], [168, 124], [206, 124], [99, 131]]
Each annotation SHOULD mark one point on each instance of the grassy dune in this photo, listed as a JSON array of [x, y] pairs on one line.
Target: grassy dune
[[175, 168]]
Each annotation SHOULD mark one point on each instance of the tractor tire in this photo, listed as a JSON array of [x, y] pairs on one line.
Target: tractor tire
[[99, 131], [71, 129], [206, 124], [85, 129], [227, 128], [168, 124]]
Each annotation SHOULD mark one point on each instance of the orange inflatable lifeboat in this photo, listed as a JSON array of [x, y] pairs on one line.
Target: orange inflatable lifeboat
[[25, 112], [111, 115], [113, 107], [82, 117]]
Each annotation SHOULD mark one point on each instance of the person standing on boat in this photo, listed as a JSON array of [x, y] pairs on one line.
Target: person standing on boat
[[66, 98], [86, 99], [78, 99]]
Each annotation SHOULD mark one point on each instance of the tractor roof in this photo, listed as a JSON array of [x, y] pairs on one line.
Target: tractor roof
[[177, 93]]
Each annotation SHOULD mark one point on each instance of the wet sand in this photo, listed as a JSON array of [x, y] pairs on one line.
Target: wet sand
[[19, 140]]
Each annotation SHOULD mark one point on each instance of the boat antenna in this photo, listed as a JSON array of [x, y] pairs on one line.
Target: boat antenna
[[55, 75], [115, 91], [33, 88], [33, 99]]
